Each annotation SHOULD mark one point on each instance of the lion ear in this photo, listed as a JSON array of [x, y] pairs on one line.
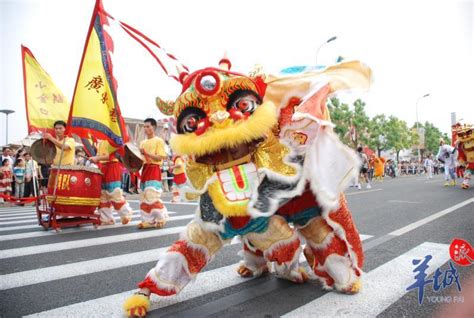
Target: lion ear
[[166, 107]]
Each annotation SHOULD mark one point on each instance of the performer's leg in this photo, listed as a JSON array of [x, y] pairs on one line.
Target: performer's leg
[[467, 178], [253, 264], [121, 205], [452, 175], [175, 189], [177, 267], [335, 261], [446, 175], [105, 209], [153, 212], [280, 244]]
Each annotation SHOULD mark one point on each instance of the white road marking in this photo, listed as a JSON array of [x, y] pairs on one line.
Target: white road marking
[[382, 287], [111, 306], [5, 220], [430, 218], [360, 192], [34, 217], [168, 202], [47, 274], [402, 201], [54, 247], [82, 229]]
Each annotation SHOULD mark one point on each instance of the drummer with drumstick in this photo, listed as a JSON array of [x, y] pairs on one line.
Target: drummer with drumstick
[[67, 144], [153, 212], [111, 196]]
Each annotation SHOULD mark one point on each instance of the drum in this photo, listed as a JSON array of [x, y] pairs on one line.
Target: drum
[[133, 159], [43, 151], [77, 191]]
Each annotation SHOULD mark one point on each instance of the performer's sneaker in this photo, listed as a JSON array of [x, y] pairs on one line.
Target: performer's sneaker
[[126, 220], [160, 224], [110, 222], [144, 225], [368, 186], [464, 186], [453, 183], [446, 184], [244, 271]]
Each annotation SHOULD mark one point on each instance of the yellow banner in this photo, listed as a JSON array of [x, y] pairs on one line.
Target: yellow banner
[[94, 106], [45, 103]]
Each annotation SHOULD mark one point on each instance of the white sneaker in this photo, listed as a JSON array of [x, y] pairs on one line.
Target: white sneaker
[[368, 186], [359, 186]]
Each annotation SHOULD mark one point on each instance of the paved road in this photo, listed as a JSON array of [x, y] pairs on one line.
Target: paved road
[[83, 272]]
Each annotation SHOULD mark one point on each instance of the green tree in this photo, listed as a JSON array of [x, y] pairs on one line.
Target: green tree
[[340, 116], [432, 136], [378, 133], [344, 118], [398, 135], [361, 121]]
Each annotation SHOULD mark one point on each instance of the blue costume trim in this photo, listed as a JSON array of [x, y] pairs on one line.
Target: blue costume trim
[[257, 225], [151, 183], [111, 186], [303, 217]]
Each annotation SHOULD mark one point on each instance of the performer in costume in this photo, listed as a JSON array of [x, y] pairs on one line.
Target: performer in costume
[[68, 146], [111, 196], [465, 147], [179, 177], [263, 155], [446, 154], [153, 212], [379, 165]]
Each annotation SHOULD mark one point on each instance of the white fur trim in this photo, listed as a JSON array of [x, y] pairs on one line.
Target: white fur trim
[[171, 272]]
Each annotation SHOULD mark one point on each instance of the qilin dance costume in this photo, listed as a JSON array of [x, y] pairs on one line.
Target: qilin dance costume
[[465, 147], [111, 196], [262, 154]]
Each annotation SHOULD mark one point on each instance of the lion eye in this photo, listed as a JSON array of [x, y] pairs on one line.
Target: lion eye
[[246, 104], [190, 122]]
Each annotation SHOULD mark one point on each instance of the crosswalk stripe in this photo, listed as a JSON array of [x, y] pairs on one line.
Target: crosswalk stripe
[[9, 210], [17, 217], [19, 212], [47, 274], [35, 226], [54, 247], [42, 275], [111, 306], [381, 287], [33, 218], [83, 229]]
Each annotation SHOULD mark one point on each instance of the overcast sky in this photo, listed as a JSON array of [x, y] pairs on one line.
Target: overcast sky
[[413, 48]]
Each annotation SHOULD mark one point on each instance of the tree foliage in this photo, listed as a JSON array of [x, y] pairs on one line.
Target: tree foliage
[[355, 128]]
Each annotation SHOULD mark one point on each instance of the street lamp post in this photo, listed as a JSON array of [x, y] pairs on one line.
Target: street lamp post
[[322, 44], [6, 112], [417, 130]]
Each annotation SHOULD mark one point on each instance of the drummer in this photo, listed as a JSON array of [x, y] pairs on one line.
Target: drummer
[[111, 196], [153, 212], [67, 144]]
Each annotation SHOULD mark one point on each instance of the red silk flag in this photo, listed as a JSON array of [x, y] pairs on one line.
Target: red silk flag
[[95, 110], [44, 101]]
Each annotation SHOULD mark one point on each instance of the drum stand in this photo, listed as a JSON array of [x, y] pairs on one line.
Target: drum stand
[[49, 217]]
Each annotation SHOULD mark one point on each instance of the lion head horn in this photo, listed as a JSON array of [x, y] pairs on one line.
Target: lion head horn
[[166, 107]]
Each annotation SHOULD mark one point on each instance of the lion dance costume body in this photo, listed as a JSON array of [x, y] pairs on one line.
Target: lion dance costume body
[[465, 147], [262, 155]]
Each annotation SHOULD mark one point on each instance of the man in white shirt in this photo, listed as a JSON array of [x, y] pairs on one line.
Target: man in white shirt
[[428, 164]]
